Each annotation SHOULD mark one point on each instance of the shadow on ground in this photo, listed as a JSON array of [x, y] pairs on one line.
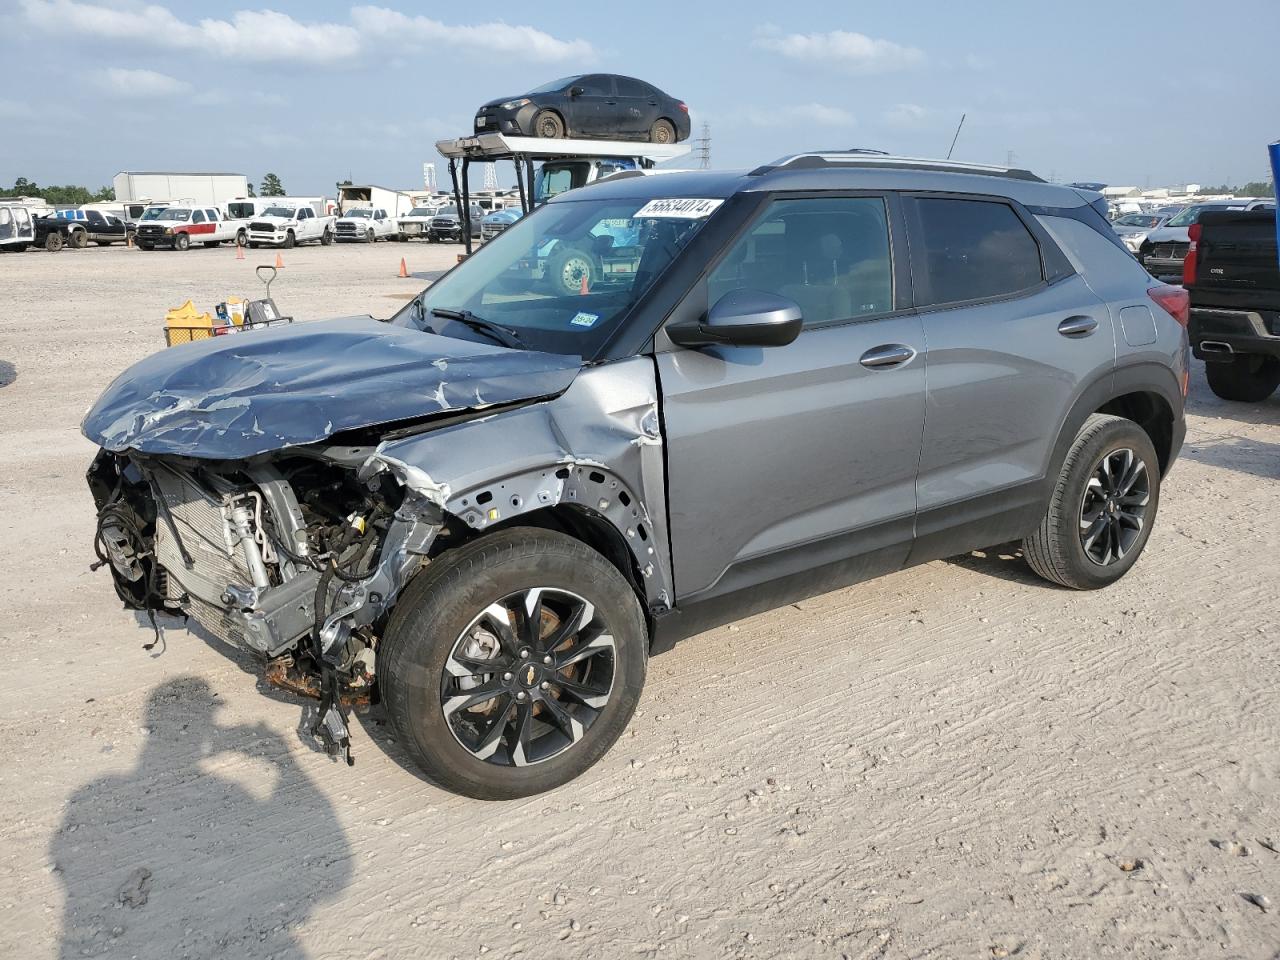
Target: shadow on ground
[[1257, 458], [1004, 561], [8, 373], [189, 855]]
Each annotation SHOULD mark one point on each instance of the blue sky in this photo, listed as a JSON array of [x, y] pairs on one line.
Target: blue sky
[[319, 91]]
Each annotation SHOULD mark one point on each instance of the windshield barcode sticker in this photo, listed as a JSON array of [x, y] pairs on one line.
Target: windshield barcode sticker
[[680, 209], [584, 319]]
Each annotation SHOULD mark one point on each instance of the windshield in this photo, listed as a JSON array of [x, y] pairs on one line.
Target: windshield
[[1189, 216], [1138, 220], [447, 212], [555, 85], [356, 213], [286, 212], [553, 179], [564, 277], [152, 213], [172, 213], [421, 212]]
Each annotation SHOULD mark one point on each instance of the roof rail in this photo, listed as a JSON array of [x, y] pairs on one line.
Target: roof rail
[[877, 158]]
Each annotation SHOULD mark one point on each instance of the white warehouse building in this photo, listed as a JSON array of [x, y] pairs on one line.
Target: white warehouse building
[[212, 189]]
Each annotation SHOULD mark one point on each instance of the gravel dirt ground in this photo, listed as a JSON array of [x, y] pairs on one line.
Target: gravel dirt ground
[[954, 761]]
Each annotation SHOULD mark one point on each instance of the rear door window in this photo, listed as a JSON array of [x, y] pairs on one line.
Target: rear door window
[[830, 255], [197, 216], [632, 88], [965, 250]]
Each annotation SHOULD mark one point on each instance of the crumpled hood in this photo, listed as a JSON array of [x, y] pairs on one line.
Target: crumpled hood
[[244, 394], [1168, 234]]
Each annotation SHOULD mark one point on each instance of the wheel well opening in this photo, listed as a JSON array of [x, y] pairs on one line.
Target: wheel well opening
[[1151, 412], [579, 522]]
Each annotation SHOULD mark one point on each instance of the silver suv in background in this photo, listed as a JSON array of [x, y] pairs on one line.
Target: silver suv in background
[[763, 384]]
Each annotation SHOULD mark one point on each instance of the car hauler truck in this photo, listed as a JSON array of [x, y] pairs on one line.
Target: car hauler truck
[[563, 164]]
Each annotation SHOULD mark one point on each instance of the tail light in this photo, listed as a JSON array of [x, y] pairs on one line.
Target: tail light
[[683, 106], [1190, 261], [1173, 300]]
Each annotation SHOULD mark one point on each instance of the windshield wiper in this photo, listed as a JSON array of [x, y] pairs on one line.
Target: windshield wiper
[[503, 335]]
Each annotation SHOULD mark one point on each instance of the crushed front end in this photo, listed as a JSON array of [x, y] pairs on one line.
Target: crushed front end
[[296, 557]]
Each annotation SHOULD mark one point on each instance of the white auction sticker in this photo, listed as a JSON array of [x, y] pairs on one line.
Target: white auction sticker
[[678, 208]]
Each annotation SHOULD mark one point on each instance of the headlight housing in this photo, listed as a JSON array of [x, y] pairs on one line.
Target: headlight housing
[[515, 104]]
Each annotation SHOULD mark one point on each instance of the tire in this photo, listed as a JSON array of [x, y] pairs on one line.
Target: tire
[[548, 125], [242, 238], [448, 600], [566, 268], [53, 242], [77, 239], [1246, 378], [253, 246], [326, 238], [181, 241], [369, 236], [1060, 549], [663, 131], [143, 245], [289, 240]]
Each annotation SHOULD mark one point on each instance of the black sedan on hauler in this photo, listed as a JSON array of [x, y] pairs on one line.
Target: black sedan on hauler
[[595, 105]]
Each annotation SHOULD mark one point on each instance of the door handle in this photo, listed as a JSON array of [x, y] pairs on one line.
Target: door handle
[[1077, 326], [886, 356]]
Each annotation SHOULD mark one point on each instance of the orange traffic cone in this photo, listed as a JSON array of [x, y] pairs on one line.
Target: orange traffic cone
[[404, 271], [239, 252], [583, 290], [279, 262], [128, 241]]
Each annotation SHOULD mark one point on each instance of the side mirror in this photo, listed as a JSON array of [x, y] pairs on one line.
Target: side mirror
[[575, 91], [744, 318]]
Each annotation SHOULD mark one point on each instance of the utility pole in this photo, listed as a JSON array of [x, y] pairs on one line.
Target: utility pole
[[491, 176], [704, 147], [1009, 157]]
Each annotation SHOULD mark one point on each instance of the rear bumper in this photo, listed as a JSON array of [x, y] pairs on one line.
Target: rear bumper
[[1218, 334]]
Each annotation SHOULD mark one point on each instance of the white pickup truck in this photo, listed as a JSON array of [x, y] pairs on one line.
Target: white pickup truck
[[367, 224], [180, 227], [288, 226]]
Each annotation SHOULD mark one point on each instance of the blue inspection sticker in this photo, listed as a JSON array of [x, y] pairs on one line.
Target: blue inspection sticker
[[583, 319]]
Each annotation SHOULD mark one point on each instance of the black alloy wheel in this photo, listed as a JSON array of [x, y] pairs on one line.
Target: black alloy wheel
[[1114, 510]]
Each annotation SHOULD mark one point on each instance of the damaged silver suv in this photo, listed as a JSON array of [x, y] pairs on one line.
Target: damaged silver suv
[[489, 511]]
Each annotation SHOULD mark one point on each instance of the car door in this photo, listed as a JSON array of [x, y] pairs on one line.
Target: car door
[[636, 107], [592, 110], [785, 459], [1014, 334]]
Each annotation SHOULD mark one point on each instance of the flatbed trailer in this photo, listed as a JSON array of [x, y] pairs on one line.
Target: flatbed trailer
[[523, 152]]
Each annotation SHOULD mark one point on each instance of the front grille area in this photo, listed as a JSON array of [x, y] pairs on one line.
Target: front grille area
[[262, 226], [150, 230], [1168, 251], [346, 228], [441, 223], [202, 527]]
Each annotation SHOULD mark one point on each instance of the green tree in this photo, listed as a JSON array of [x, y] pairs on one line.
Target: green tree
[[251, 193], [271, 186], [1257, 188]]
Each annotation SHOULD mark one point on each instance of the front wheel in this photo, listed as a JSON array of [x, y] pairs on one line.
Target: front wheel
[[181, 242], [369, 237], [513, 663], [1102, 508], [548, 124], [326, 238], [1246, 378], [242, 238], [289, 240]]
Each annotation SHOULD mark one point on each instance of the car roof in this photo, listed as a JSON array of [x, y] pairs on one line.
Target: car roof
[[887, 174]]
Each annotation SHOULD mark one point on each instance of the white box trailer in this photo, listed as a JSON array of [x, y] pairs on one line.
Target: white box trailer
[[352, 196], [206, 189]]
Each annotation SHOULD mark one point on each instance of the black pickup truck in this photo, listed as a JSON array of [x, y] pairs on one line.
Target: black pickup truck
[[1233, 275]]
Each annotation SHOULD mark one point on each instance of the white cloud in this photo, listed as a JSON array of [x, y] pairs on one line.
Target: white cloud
[[269, 36], [906, 115], [526, 43], [855, 52], [143, 84], [808, 114], [12, 109]]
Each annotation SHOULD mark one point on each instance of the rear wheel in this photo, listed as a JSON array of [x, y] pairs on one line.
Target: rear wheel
[[53, 242], [1246, 378], [662, 132], [547, 124], [567, 269], [513, 663], [1102, 508]]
